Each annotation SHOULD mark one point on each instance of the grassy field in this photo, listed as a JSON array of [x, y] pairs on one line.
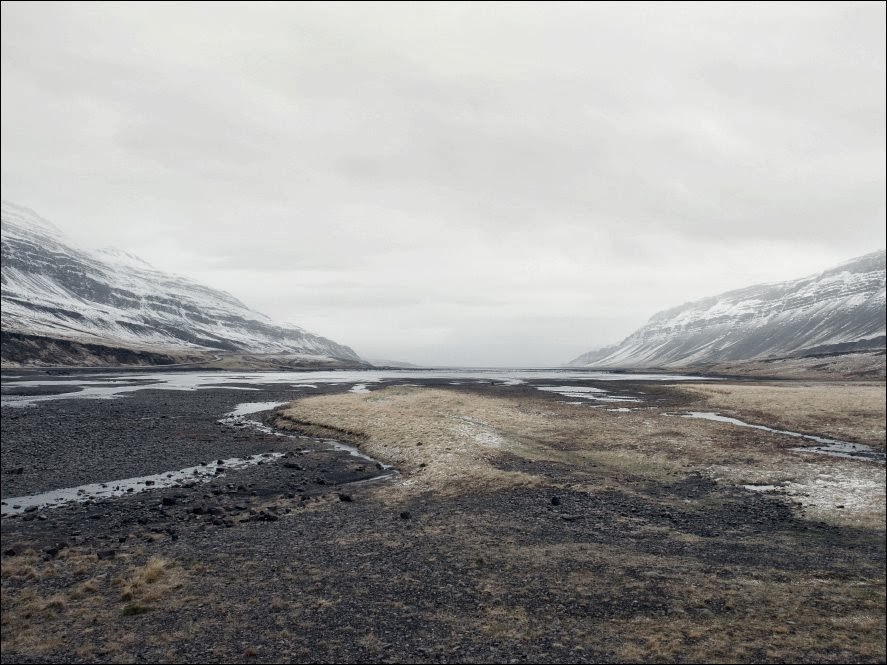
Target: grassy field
[[846, 411], [758, 607], [446, 440]]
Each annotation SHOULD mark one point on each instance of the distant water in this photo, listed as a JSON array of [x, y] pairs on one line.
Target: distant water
[[108, 386]]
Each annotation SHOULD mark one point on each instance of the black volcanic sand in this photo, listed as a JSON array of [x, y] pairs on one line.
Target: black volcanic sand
[[70, 442], [290, 561]]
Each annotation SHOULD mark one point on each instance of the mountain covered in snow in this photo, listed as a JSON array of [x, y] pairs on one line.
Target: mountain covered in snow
[[53, 289], [840, 309]]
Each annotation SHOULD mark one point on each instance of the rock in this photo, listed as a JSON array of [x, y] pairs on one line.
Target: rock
[[345, 497], [32, 509], [149, 482], [555, 501], [405, 515], [106, 554], [167, 501], [293, 465]]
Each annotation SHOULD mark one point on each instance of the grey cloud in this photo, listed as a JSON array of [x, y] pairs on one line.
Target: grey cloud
[[451, 163]]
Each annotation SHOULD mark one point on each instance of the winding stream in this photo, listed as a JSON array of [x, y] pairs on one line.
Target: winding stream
[[826, 446]]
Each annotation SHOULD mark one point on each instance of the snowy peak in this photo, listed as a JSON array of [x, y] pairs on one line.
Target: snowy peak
[[20, 216], [52, 288], [839, 307], [120, 257]]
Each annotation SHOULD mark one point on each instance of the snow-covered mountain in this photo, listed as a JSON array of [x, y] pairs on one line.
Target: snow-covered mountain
[[51, 288], [836, 310]]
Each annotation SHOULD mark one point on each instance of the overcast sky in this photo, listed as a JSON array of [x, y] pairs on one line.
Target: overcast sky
[[482, 184]]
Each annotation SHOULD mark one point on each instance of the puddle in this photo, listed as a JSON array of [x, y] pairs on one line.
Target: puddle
[[202, 473], [237, 417], [620, 409], [359, 388], [587, 393], [354, 452], [831, 447], [762, 488], [374, 479], [248, 408]]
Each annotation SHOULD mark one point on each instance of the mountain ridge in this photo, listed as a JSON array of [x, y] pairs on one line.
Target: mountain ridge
[[55, 289], [842, 305]]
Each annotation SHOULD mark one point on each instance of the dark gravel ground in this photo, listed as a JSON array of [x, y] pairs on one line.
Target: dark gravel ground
[[294, 560], [69, 442]]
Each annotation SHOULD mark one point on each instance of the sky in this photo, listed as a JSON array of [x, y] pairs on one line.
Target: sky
[[454, 183]]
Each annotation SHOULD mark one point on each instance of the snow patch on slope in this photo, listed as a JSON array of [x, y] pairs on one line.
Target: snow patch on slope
[[53, 288], [842, 305]]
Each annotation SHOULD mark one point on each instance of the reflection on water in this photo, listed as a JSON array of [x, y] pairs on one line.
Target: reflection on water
[[110, 386], [113, 488]]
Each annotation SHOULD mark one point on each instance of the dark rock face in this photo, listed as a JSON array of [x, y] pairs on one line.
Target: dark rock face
[[839, 309], [52, 289]]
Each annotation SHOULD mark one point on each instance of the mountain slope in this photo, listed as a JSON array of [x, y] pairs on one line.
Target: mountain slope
[[838, 309], [51, 288]]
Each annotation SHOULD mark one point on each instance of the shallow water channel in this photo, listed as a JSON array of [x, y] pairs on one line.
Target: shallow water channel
[[826, 446]]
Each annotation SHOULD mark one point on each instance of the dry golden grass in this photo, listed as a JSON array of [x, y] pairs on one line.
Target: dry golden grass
[[37, 622], [440, 439], [462, 433], [846, 411], [742, 618]]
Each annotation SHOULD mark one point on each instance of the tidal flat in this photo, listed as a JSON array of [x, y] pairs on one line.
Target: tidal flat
[[472, 519]]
